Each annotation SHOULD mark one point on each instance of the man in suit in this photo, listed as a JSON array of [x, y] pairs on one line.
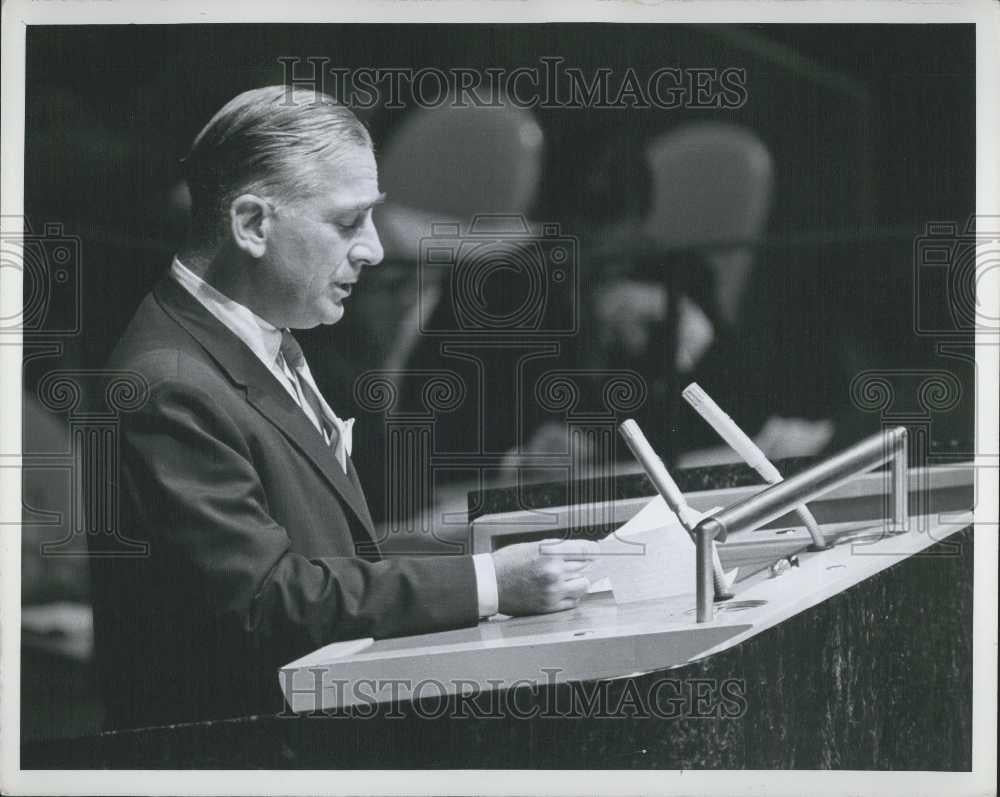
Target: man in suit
[[237, 472]]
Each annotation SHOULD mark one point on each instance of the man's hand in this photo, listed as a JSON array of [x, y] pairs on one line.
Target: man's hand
[[546, 576]]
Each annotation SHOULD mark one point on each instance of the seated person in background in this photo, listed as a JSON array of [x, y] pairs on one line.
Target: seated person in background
[[55, 611], [718, 322], [53, 559], [237, 472], [627, 313]]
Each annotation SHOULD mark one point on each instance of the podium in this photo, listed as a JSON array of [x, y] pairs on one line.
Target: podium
[[858, 658]]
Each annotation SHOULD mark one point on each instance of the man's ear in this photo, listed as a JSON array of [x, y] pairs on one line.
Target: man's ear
[[249, 223]]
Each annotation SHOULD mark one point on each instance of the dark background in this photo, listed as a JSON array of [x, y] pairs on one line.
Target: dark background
[[872, 129]]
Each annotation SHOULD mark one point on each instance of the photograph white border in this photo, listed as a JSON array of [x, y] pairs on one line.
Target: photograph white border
[[18, 14]]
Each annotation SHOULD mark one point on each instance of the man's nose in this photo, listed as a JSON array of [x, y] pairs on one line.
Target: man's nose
[[368, 250]]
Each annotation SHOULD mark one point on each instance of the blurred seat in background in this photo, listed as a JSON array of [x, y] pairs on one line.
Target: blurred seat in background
[[443, 165], [712, 183], [711, 188], [704, 188], [446, 164], [460, 161]]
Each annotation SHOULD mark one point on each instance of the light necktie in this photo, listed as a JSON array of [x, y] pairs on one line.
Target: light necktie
[[309, 401]]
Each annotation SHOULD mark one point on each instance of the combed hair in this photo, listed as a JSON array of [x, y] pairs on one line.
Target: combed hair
[[262, 141]]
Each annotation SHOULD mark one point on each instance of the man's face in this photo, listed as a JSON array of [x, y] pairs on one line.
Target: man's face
[[317, 246]]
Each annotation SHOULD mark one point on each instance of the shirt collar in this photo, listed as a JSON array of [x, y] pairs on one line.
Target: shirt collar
[[262, 337]]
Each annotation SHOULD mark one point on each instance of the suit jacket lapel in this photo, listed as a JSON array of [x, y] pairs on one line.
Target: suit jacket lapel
[[277, 406], [263, 391], [368, 549], [352, 475]]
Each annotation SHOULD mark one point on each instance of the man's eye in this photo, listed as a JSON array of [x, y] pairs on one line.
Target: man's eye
[[350, 222]]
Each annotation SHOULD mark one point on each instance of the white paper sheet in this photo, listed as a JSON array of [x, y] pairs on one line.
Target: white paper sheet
[[651, 556]]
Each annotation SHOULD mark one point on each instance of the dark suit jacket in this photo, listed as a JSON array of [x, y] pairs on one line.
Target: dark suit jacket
[[260, 547]]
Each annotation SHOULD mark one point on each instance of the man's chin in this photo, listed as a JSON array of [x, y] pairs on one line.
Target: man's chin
[[329, 315], [333, 314]]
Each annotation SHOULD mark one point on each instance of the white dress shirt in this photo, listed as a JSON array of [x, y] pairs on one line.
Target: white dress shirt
[[264, 340]]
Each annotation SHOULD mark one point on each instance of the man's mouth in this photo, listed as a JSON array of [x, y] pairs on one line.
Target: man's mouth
[[344, 287]]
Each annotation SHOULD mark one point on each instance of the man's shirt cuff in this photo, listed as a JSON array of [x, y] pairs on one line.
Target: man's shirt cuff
[[486, 584]]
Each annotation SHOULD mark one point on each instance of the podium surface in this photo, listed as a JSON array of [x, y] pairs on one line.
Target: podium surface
[[601, 639]]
